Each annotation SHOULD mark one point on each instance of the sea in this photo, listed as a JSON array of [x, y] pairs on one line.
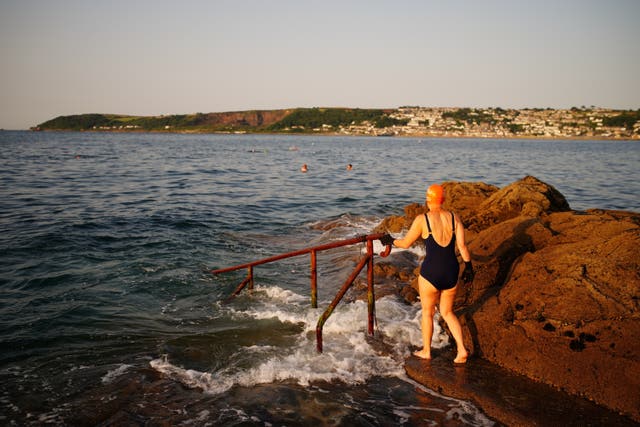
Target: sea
[[109, 312]]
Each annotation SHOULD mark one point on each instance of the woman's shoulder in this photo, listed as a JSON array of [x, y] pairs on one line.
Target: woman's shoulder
[[458, 222], [420, 219]]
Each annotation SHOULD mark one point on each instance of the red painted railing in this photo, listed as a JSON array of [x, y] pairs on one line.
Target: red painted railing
[[366, 260]]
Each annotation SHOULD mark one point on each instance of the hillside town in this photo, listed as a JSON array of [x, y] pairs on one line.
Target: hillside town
[[500, 123]]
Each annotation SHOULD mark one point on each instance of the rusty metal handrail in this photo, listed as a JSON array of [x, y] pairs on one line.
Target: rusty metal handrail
[[366, 260]]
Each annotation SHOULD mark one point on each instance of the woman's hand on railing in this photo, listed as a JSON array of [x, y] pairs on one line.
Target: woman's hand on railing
[[386, 240]]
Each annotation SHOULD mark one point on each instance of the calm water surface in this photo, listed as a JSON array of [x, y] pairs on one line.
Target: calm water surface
[[107, 311]]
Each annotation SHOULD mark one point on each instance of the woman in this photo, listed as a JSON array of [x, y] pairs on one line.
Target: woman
[[442, 231]]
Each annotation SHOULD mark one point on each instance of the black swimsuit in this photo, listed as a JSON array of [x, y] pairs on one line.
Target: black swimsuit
[[440, 266]]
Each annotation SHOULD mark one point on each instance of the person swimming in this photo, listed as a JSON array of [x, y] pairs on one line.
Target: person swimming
[[304, 168]]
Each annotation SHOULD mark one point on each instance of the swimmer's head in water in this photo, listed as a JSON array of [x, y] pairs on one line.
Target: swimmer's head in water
[[435, 194]]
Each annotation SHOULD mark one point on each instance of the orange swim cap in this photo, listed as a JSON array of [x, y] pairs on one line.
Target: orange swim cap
[[435, 194]]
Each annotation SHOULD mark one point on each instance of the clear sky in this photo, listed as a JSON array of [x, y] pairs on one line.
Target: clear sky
[[173, 57]]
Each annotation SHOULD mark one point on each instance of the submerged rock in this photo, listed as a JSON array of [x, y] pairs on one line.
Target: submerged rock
[[556, 292]]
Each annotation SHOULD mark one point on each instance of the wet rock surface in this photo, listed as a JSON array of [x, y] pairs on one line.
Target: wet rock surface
[[556, 293], [506, 397]]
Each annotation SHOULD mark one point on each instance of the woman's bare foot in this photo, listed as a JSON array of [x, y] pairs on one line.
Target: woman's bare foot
[[422, 354], [461, 358]]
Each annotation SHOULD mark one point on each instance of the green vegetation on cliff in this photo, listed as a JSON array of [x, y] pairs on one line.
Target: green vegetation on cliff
[[111, 121], [626, 119], [469, 115], [315, 118], [78, 122]]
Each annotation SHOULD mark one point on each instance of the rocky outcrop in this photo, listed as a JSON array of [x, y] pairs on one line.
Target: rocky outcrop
[[556, 293], [253, 119]]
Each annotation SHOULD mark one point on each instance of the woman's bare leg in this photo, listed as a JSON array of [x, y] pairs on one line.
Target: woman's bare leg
[[428, 298], [446, 311]]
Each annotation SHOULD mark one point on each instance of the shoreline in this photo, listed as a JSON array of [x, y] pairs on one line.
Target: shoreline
[[419, 122], [337, 134]]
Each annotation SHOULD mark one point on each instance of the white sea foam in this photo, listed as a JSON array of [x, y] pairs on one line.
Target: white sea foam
[[352, 226], [378, 247], [115, 373], [459, 409], [346, 222], [348, 356], [362, 223], [278, 294]]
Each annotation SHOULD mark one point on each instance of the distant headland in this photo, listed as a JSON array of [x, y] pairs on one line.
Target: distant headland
[[576, 122]]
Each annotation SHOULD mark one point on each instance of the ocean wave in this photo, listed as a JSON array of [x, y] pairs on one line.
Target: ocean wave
[[113, 374], [350, 355]]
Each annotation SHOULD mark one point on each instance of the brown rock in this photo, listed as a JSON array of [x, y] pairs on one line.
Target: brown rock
[[395, 224], [461, 197], [556, 293], [571, 310], [527, 197], [253, 118], [393, 275]]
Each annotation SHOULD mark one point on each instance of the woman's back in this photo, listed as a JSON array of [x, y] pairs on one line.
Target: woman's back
[[441, 224]]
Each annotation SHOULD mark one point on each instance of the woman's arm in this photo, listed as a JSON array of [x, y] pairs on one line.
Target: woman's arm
[[460, 240], [412, 235]]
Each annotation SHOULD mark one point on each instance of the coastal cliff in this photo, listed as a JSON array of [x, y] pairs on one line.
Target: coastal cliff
[[556, 297], [404, 121]]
